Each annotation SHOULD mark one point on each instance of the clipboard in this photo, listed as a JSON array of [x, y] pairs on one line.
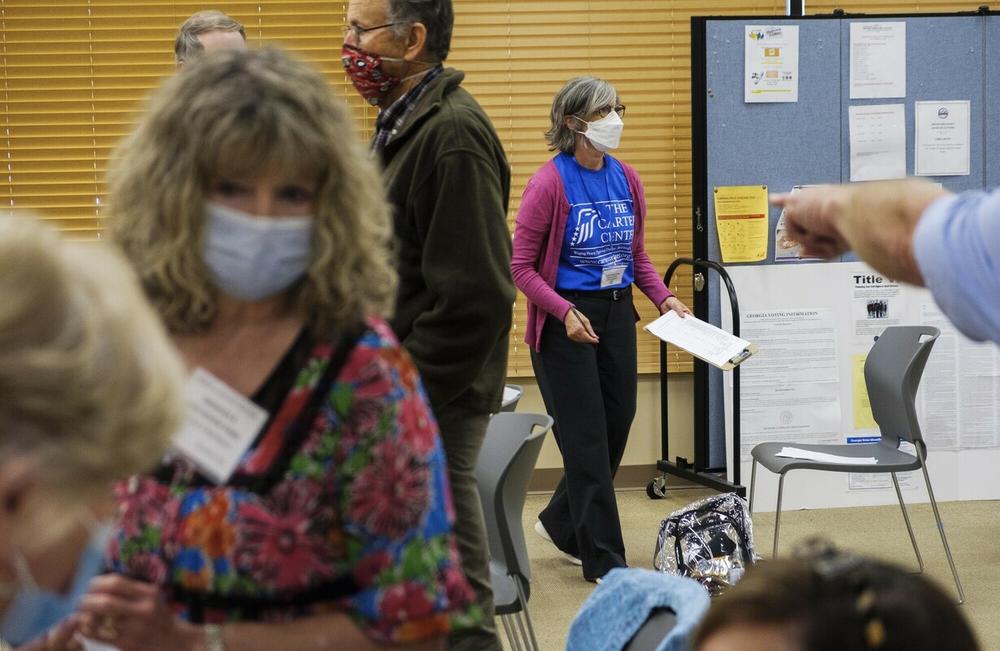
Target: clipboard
[[703, 340]]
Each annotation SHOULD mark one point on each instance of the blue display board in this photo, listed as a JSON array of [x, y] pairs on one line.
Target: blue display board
[[948, 57]]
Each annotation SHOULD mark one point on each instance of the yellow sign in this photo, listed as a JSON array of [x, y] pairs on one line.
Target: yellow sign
[[863, 418], [741, 222]]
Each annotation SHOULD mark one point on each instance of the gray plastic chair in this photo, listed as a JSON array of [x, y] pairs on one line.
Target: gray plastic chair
[[510, 404], [503, 470], [892, 374], [654, 631]]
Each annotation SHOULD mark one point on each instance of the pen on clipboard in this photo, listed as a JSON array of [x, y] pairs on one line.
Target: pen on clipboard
[[740, 358]]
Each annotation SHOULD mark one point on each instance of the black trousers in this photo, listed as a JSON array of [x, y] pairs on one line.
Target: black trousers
[[590, 391]]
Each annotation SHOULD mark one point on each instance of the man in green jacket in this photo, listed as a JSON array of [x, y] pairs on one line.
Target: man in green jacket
[[449, 181]]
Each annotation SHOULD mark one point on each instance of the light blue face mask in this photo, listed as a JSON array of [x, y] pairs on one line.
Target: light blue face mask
[[34, 609], [251, 258]]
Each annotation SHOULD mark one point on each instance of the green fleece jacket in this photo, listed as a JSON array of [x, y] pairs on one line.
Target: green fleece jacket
[[449, 183]]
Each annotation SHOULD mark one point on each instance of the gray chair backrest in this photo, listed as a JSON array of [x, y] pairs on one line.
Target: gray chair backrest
[[503, 470], [658, 625], [892, 375], [511, 405]]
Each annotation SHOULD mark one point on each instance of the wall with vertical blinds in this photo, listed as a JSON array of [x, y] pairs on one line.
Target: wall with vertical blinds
[[74, 74]]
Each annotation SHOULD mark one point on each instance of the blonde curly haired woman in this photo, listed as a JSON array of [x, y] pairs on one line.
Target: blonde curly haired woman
[[256, 221], [90, 391]]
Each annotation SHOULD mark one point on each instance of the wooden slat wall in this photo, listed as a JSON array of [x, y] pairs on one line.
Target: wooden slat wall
[[891, 7], [517, 54], [74, 74]]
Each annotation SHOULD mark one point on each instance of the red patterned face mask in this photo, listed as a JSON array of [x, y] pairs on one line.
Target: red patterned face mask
[[364, 69]]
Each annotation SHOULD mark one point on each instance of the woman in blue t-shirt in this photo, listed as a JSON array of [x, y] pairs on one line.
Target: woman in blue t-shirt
[[578, 248]]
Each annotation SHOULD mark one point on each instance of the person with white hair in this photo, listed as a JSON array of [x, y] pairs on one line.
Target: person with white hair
[[90, 391]]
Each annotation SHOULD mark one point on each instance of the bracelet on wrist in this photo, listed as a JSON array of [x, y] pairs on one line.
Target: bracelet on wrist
[[214, 640]]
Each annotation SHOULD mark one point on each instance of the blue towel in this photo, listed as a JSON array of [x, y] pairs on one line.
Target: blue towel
[[620, 605]]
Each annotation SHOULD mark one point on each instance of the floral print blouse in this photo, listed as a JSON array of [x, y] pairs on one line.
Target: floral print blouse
[[350, 511]]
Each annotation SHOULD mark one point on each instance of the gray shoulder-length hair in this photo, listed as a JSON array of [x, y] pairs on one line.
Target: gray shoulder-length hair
[[581, 96]]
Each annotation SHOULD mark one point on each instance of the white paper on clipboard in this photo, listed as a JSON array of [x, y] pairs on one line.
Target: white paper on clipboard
[[703, 340]]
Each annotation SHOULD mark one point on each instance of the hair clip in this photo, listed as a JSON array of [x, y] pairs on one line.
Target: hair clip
[[874, 631]]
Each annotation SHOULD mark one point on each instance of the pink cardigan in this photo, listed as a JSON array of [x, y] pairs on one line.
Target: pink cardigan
[[538, 240]]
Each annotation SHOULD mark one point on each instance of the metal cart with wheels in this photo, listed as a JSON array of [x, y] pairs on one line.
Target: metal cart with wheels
[[700, 471]]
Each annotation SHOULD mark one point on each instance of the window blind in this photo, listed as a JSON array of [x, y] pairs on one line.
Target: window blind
[[75, 73], [518, 53]]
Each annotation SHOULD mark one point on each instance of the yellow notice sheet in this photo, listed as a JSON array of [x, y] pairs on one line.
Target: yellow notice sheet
[[863, 418], [741, 221]]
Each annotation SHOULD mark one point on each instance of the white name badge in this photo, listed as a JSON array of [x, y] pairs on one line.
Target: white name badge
[[219, 427], [612, 276]]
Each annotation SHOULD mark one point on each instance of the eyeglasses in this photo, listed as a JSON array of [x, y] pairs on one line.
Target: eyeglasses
[[357, 31], [618, 108]]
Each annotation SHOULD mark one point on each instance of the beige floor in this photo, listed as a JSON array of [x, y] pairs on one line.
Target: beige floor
[[973, 529]]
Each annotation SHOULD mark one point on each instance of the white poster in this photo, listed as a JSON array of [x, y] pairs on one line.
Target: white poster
[[977, 394], [876, 303], [941, 138], [878, 142], [878, 60], [958, 391], [938, 392], [771, 63], [789, 390], [866, 481], [958, 405]]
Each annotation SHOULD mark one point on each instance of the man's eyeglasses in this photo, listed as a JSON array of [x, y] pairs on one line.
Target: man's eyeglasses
[[357, 31]]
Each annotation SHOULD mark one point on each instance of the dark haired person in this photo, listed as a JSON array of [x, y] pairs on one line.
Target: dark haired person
[[448, 181], [825, 600]]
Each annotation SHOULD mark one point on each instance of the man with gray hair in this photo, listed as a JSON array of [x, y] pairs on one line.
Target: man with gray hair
[[449, 182], [206, 31]]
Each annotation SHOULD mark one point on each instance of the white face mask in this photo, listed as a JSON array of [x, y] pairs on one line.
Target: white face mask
[[251, 258], [605, 133]]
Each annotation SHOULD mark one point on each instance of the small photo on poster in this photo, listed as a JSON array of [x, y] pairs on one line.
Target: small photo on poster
[[878, 308]]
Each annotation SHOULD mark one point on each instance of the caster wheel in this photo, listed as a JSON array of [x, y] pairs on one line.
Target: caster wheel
[[656, 489]]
